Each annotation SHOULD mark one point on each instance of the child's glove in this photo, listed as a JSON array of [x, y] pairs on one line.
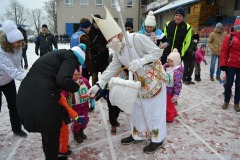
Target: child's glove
[[166, 65], [205, 62], [175, 98], [92, 104], [80, 119]]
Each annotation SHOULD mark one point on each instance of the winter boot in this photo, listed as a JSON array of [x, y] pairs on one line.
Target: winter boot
[[218, 78], [62, 157], [236, 107], [114, 130], [129, 140], [66, 153], [152, 147], [78, 138], [225, 106], [82, 134], [20, 133]]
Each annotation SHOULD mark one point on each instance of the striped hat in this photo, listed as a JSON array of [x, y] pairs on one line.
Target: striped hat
[[236, 23], [77, 51]]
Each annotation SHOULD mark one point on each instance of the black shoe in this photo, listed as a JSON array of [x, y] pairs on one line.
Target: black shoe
[[78, 138], [20, 133], [129, 140], [191, 82], [66, 153], [26, 67], [63, 157], [152, 147], [82, 134], [186, 82]]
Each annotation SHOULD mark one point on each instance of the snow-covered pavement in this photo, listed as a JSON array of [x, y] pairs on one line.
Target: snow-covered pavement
[[203, 130]]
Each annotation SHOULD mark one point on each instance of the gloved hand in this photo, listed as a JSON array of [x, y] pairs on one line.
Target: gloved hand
[[223, 68], [102, 93], [92, 104], [80, 119], [92, 91], [175, 98], [205, 62], [136, 64]]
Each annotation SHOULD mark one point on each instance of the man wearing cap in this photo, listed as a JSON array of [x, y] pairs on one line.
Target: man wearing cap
[[81, 37], [44, 41], [178, 34], [144, 52], [39, 93], [215, 43], [129, 26]]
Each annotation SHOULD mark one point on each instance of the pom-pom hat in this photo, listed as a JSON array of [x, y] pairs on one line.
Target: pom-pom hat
[[175, 57], [11, 31], [77, 51], [236, 23], [150, 19]]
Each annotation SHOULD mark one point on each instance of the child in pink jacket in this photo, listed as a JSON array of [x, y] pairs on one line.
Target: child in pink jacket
[[199, 57]]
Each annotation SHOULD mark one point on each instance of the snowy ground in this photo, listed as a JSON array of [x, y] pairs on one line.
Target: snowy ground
[[201, 131]]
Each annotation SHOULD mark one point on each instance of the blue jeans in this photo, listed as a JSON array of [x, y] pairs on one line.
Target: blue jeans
[[231, 73], [212, 67]]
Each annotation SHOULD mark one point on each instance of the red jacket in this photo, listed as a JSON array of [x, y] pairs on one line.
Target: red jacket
[[230, 54], [199, 56]]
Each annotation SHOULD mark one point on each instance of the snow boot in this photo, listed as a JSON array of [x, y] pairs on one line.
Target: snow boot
[[152, 147], [225, 106], [236, 107], [82, 134], [129, 140], [78, 138]]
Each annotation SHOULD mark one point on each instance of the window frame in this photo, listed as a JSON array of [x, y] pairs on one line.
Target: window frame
[[84, 4], [98, 5], [129, 6], [69, 4], [113, 4]]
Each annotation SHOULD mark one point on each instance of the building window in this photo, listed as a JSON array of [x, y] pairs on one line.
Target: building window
[[113, 3], [84, 3], [129, 3], [237, 5], [68, 3], [129, 20], [99, 3]]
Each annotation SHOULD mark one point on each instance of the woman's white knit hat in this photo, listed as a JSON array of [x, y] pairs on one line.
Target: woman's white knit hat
[[150, 19], [11, 31]]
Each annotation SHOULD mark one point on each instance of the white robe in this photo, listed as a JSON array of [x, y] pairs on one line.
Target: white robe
[[155, 107]]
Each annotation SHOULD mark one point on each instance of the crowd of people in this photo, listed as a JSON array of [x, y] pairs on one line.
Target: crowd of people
[[160, 60]]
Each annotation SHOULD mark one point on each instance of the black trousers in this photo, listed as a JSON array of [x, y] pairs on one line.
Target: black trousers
[[9, 90], [85, 73], [50, 143], [188, 69], [24, 55], [113, 113]]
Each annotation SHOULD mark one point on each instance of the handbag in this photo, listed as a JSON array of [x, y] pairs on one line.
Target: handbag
[[123, 93]]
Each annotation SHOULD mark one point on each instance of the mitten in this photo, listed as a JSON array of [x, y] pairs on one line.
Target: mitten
[[166, 65], [92, 91], [92, 104], [136, 64], [175, 98], [80, 119], [205, 62]]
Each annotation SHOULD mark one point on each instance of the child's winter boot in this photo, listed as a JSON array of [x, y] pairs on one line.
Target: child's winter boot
[[78, 138], [81, 133]]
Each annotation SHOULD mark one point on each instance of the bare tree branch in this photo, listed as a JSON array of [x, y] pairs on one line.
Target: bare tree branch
[[51, 9], [16, 12], [36, 17]]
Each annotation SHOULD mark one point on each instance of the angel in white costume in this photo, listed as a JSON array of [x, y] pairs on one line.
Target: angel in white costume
[[146, 64]]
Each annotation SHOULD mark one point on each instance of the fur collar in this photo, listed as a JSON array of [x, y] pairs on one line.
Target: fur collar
[[6, 46]]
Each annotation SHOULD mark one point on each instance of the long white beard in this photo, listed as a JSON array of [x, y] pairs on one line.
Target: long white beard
[[116, 45]]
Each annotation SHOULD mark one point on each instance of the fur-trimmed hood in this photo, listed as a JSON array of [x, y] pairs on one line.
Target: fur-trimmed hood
[[6, 46]]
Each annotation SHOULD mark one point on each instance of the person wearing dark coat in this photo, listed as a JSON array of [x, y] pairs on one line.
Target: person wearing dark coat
[[98, 50], [39, 93], [44, 41], [24, 50]]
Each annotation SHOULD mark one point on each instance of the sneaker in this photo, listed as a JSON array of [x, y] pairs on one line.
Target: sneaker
[[78, 138], [211, 79], [20, 133], [129, 140], [218, 78], [66, 153], [236, 107], [152, 147], [225, 106], [81, 133], [114, 130]]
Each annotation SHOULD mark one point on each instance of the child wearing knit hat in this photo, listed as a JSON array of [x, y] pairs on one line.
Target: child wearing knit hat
[[199, 57], [174, 72], [149, 28]]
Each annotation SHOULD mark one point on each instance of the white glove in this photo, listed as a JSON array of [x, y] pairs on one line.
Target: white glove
[[136, 64], [92, 91]]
